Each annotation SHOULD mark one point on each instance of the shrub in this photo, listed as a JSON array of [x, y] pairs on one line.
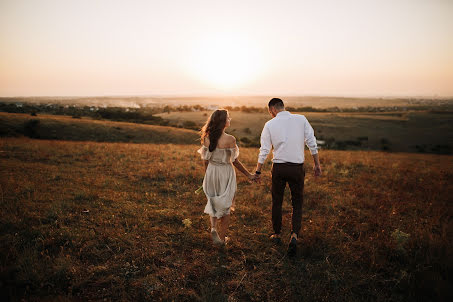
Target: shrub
[[31, 128], [385, 144], [245, 140], [190, 125]]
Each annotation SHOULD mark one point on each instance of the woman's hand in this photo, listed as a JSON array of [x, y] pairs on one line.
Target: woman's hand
[[251, 177], [254, 177]]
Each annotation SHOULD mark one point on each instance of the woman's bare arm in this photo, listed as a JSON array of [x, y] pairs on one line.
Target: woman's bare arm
[[237, 163], [243, 169]]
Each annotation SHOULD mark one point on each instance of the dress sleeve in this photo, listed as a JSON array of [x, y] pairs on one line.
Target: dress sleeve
[[235, 153], [204, 152]]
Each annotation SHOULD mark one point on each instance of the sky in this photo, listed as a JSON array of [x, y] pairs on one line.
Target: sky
[[198, 47]]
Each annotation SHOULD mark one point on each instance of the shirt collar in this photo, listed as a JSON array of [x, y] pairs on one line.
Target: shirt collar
[[282, 113]]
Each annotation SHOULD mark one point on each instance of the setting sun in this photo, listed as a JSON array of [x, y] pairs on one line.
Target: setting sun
[[225, 61], [201, 47]]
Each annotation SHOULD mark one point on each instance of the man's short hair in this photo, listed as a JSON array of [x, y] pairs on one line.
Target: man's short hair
[[276, 103]]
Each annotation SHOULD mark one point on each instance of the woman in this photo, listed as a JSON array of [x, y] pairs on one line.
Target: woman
[[220, 153]]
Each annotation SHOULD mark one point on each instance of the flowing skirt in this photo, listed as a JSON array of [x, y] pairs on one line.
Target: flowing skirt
[[219, 185]]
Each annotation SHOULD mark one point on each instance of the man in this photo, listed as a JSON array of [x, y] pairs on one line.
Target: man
[[287, 133]]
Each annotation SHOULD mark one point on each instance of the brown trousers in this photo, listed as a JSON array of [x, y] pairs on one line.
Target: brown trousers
[[294, 175]]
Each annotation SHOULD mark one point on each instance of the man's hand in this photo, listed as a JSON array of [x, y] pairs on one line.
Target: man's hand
[[253, 177], [317, 165], [257, 178], [317, 170]]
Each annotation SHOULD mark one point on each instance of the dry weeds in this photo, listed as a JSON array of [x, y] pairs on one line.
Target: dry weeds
[[93, 221]]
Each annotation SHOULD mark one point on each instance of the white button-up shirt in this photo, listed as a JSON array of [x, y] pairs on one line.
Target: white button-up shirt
[[287, 133]]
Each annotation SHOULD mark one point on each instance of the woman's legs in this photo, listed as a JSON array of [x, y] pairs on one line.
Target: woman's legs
[[213, 222], [224, 223], [214, 234], [219, 226]]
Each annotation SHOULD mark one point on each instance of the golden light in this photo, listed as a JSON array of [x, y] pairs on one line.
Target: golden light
[[225, 61]]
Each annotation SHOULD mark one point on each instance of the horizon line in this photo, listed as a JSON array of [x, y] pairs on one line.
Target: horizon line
[[191, 95]]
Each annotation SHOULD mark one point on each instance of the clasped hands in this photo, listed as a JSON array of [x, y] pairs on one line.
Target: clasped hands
[[255, 177]]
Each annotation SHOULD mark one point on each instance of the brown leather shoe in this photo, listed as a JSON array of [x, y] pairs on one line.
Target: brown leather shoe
[[275, 238]]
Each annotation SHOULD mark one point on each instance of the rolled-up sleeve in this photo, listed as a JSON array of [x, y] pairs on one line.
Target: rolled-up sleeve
[[310, 139], [266, 144]]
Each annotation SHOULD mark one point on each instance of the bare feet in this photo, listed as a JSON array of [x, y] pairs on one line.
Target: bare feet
[[215, 237]]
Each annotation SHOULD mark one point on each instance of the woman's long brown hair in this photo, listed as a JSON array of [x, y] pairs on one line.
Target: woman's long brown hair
[[213, 128]]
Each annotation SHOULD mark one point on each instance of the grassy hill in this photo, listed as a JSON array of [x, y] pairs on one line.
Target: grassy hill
[[93, 221], [85, 129], [411, 131]]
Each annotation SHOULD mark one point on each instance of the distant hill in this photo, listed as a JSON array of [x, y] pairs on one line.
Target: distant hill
[[404, 131], [84, 129], [258, 101]]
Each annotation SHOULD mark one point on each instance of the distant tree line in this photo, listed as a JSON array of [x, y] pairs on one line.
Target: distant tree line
[[252, 109], [147, 115], [144, 113], [134, 115]]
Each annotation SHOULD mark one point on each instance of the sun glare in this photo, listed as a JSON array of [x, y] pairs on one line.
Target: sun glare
[[225, 61]]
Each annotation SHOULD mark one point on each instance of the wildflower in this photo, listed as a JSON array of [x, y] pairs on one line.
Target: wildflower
[[400, 238], [198, 191], [187, 222]]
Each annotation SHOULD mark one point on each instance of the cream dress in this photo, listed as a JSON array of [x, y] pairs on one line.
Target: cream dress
[[219, 183]]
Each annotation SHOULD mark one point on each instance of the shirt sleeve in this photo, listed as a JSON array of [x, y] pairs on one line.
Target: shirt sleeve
[[266, 144], [310, 139]]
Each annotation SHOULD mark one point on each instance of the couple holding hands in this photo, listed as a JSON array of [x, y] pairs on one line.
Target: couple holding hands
[[287, 134]]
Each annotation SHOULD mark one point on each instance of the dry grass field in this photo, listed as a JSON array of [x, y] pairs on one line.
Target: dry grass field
[[108, 221]]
